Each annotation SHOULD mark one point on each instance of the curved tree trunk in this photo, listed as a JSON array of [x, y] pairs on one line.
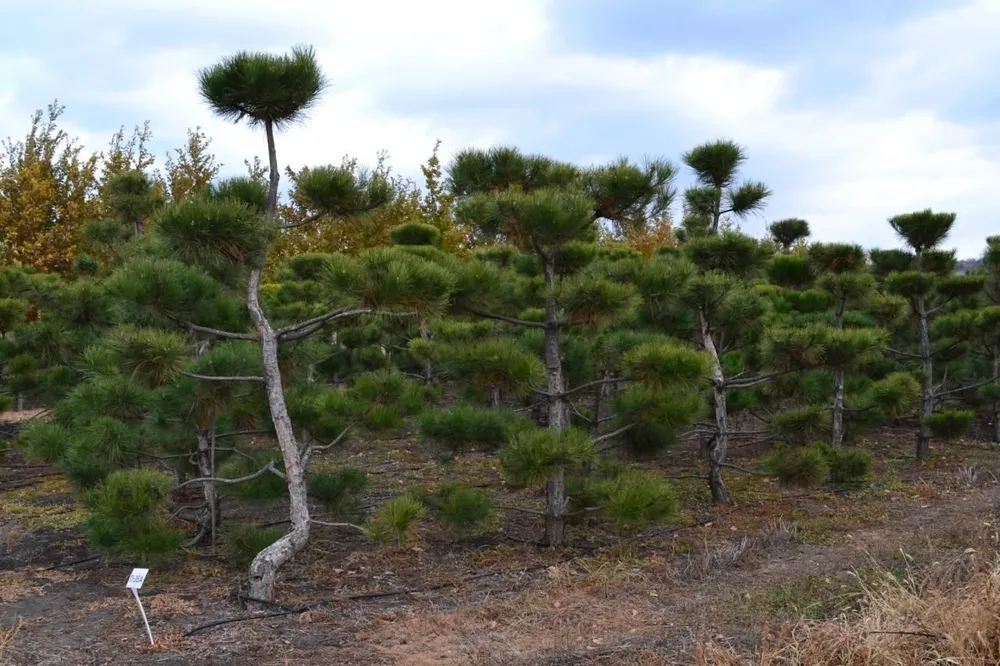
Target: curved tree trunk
[[208, 519], [264, 568], [720, 441]]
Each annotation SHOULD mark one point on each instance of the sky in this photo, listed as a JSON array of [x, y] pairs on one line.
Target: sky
[[850, 110]]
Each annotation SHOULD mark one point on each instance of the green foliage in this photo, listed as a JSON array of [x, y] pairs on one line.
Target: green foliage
[[847, 465], [500, 168], [949, 424], [730, 253], [244, 541], [461, 426], [499, 362], [44, 440], [244, 190], [151, 356], [213, 234], [12, 311], [895, 394], [127, 515], [789, 231], [415, 233], [386, 396], [923, 229], [115, 397], [667, 362], [532, 456], [802, 467], [634, 498], [591, 299], [464, 510], [341, 191], [263, 88], [338, 490], [910, 284], [801, 425], [838, 258], [715, 164], [791, 270], [394, 518]]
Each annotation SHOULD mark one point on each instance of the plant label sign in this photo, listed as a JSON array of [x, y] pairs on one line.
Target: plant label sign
[[136, 579]]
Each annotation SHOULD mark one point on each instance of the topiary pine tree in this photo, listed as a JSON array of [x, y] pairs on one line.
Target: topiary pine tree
[[843, 274], [789, 231], [228, 237], [716, 166], [923, 275], [551, 210]]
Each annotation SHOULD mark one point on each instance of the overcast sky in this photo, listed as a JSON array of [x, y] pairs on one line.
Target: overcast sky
[[851, 110]]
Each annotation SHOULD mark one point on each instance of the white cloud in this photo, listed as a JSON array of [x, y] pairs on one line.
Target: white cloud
[[885, 149]]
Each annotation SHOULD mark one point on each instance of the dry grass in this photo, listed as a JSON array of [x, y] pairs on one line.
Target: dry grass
[[734, 553], [7, 635], [945, 614]]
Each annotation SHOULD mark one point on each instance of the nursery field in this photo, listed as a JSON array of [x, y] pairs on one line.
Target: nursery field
[[717, 577]]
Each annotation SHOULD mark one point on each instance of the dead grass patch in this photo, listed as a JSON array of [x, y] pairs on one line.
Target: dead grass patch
[[944, 614]]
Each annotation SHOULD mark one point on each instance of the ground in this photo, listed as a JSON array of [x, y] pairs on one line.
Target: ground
[[718, 574]]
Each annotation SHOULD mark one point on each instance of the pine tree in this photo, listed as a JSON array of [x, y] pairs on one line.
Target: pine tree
[[923, 275]]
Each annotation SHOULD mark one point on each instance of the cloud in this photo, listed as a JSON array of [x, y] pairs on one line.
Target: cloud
[[476, 73]]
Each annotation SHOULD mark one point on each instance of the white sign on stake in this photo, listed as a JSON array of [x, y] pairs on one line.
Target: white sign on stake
[[135, 581]]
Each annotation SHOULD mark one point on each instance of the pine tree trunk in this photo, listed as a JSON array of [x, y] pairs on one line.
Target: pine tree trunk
[[927, 399], [838, 407], [273, 175], [555, 509], [719, 443], [555, 495], [494, 396], [20, 402], [425, 335], [265, 566], [996, 405], [209, 519]]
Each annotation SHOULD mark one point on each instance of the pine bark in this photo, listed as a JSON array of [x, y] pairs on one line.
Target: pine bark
[[558, 410], [718, 445], [928, 398]]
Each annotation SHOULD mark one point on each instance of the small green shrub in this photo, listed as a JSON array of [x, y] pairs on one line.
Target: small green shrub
[[534, 455], [949, 424], [803, 467], [415, 233], [393, 520], [44, 440], [801, 425], [847, 465], [465, 510], [338, 490], [462, 426], [127, 515], [635, 498], [244, 541]]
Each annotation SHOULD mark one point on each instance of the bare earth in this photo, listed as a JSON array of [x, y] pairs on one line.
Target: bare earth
[[646, 598]]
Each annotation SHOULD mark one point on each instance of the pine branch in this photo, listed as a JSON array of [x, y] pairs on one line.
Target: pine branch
[[350, 525], [309, 220], [222, 378], [237, 433], [754, 381], [902, 353], [964, 388], [319, 449], [221, 334], [269, 467], [740, 469], [581, 387], [321, 319], [613, 433], [510, 320]]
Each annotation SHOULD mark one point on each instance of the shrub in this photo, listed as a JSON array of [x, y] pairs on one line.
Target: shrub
[[534, 455], [465, 510], [462, 426], [415, 233], [847, 465], [798, 466], [127, 515], [394, 519], [949, 424], [802, 424], [338, 490], [244, 541], [44, 441], [634, 498]]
